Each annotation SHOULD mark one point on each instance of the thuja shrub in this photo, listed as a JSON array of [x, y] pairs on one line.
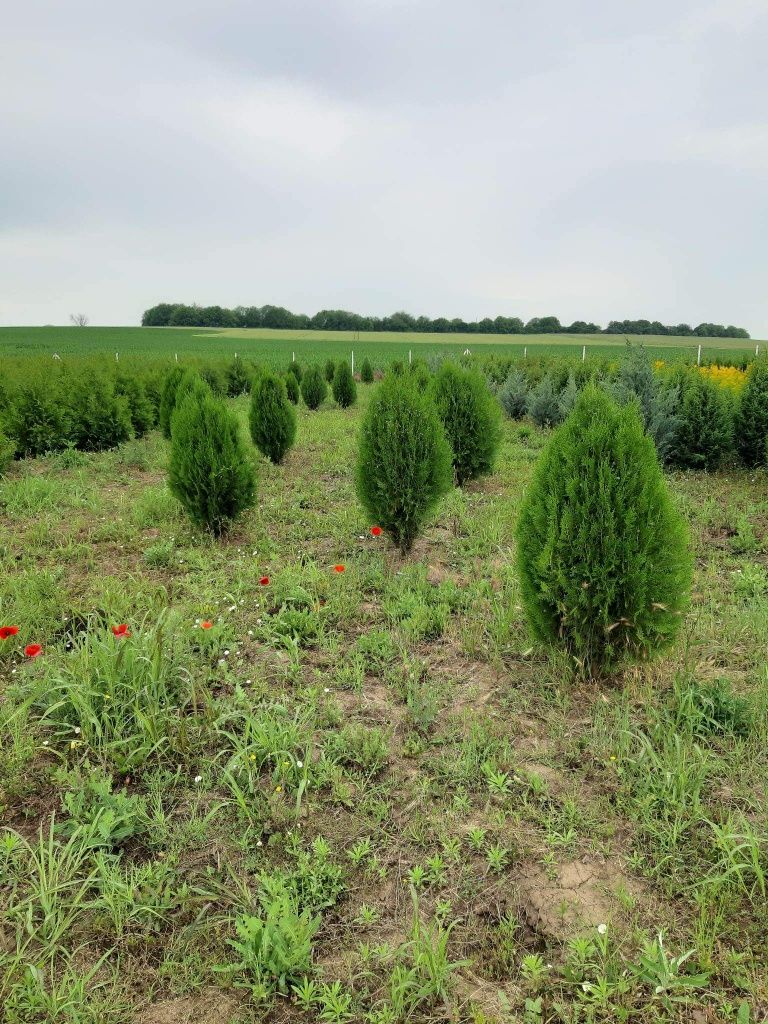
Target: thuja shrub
[[366, 371], [140, 407], [657, 397], [602, 551], [330, 370], [7, 452], [343, 386], [210, 471], [404, 460], [470, 417], [238, 378], [99, 418], [705, 431], [38, 420], [292, 388], [752, 415], [168, 399], [296, 370], [272, 418], [314, 387]]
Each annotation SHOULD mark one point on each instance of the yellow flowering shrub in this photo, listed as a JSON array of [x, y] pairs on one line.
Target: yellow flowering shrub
[[727, 376]]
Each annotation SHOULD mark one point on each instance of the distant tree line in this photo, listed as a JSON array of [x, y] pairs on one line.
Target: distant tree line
[[177, 314]]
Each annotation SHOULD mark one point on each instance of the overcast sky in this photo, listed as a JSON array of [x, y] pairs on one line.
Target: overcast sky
[[589, 159]]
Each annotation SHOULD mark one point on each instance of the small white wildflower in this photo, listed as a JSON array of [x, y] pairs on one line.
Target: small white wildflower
[[226, 654], [299, 764], [77, 730], [233, 608], [247, 682], [198, 778], [326, 689], [222, 661], [46, 742], [259, 843], [602, 929]]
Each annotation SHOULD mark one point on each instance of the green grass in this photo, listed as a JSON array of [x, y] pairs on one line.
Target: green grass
[[365, 789], [277, 347]]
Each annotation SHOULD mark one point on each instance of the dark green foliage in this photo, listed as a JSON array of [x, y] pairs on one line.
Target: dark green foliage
[[366, 372], [168, 399], [216, 380], [514, 394], [397, 367], [421, 375], [292, 388], [209, 471], [191, 383], [296, 370], [37, 420], [752, 416], [470, 417], [141, 409], [602, 555], [705, 435], [330, 370], [238, 378], [313, 387], [7, 452], [544, 403], [657, 400], [344, 387], [404, 461], [272, 418], [99, 418]]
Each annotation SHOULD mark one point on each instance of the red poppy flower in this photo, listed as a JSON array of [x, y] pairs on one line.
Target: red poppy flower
[[376, 531], [264, 581], [33, 650], [206, 624], [6, 631], [339, 568], [121, 630]]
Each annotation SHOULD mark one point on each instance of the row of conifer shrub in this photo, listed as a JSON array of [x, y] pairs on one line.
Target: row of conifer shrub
[[698, 418]]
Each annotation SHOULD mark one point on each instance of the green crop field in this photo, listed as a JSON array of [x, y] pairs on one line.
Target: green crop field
[[276, 347]]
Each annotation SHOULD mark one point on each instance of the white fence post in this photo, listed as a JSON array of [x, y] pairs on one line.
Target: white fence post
[[525, 352], [410, 360], [583, 353], [177, 356], [698, 357], [353, 362]]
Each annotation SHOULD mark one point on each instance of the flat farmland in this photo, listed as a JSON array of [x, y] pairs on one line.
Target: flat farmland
[[276, 347]]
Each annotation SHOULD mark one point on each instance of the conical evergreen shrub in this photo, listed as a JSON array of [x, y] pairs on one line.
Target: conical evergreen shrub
[[7, 452], [238, 378], [38, 419], [141, 409], [99, 418], [514, 394], [404, 460], [366, 371], [343, 386], [313, 387], [272, 418], [657, 399], [470, 417], [544, 403], [296, 370], [330, 370], [168, 399], [752, 416], [210, 470], [292, 388], [705, 433], [602, 552]]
